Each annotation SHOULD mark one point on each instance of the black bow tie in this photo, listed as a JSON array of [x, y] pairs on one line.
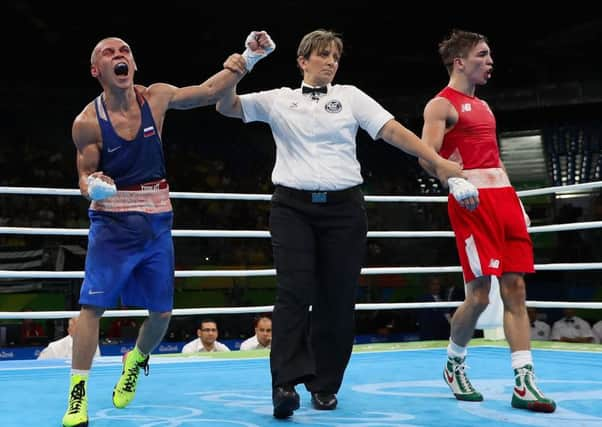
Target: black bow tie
[[314, 90]]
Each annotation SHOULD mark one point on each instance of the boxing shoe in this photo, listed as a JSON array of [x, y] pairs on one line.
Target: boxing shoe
[[454, 375], [77, 408], [526, 394], [125, 389]]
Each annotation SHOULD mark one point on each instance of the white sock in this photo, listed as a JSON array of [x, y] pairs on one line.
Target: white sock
[[521, 358], [454, 350], [82, 372]]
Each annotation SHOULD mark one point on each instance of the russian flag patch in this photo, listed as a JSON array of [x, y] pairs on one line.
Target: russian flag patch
[[149, 131]]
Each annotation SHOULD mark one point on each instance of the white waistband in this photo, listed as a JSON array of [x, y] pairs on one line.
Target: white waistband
[[487, 178]]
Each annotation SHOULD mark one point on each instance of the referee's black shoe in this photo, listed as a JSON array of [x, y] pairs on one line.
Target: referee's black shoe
[[285, 400], [324, 401]]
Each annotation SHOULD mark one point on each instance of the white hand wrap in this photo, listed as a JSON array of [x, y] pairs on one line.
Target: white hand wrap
[[461, 188], [99, 189], [253, 56]]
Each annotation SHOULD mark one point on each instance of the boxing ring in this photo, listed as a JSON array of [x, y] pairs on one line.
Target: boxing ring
[[385, 384]]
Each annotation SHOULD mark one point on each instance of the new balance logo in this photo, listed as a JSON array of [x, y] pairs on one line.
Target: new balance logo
[[111, 149], [494, 263], [465, 108]]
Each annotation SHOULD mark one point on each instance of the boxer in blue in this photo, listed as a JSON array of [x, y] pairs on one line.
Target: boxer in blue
[[122, 171]]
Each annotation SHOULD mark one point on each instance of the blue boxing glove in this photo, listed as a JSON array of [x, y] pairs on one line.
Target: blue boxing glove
[[99, 189]]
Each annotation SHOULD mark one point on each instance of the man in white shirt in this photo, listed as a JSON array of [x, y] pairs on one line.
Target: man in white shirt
[[62, 348], [207, 339], [540, 330], [263, 335], [572, 328]]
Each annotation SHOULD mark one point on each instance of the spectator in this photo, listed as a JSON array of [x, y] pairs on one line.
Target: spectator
[[433, 324], [572, 328], [457, 292], [123, 328], [32, 332], [263, 335], [383, 324], [207, 339], [62, 348], [540, 330]]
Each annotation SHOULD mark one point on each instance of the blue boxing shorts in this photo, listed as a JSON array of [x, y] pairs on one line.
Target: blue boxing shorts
[[130, 255]]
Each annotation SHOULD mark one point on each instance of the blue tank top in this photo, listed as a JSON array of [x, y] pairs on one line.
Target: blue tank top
[[135, 161]]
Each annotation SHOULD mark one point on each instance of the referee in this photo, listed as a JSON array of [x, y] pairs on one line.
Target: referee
[[318, 219]]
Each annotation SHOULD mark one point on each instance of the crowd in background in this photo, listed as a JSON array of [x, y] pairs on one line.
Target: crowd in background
[[232, 166]]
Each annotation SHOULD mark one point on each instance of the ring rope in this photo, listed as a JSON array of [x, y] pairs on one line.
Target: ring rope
[[271, 272], [45, 231], [12, 274], [269, 308], [561, 189]]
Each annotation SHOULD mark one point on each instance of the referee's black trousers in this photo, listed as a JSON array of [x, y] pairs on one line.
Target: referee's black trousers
[[319, 244]]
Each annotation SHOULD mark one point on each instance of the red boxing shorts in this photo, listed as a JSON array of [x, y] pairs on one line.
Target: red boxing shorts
[[493, 239]]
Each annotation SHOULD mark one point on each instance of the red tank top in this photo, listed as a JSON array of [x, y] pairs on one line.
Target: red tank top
[[472, 142]]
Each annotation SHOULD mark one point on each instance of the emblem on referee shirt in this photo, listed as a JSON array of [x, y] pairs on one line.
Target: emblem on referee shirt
[[333, 106]]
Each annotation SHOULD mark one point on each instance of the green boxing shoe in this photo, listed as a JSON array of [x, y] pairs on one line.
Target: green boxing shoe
[[77, 409], [454, 375], [125, 389], [526, 395]]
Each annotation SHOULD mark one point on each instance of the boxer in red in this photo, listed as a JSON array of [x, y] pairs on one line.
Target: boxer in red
[[486, 216]]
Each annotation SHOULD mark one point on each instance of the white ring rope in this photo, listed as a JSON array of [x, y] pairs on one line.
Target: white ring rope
[[11, 274], [269, 308], [575, 188], [41, 231], [5, 274]]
